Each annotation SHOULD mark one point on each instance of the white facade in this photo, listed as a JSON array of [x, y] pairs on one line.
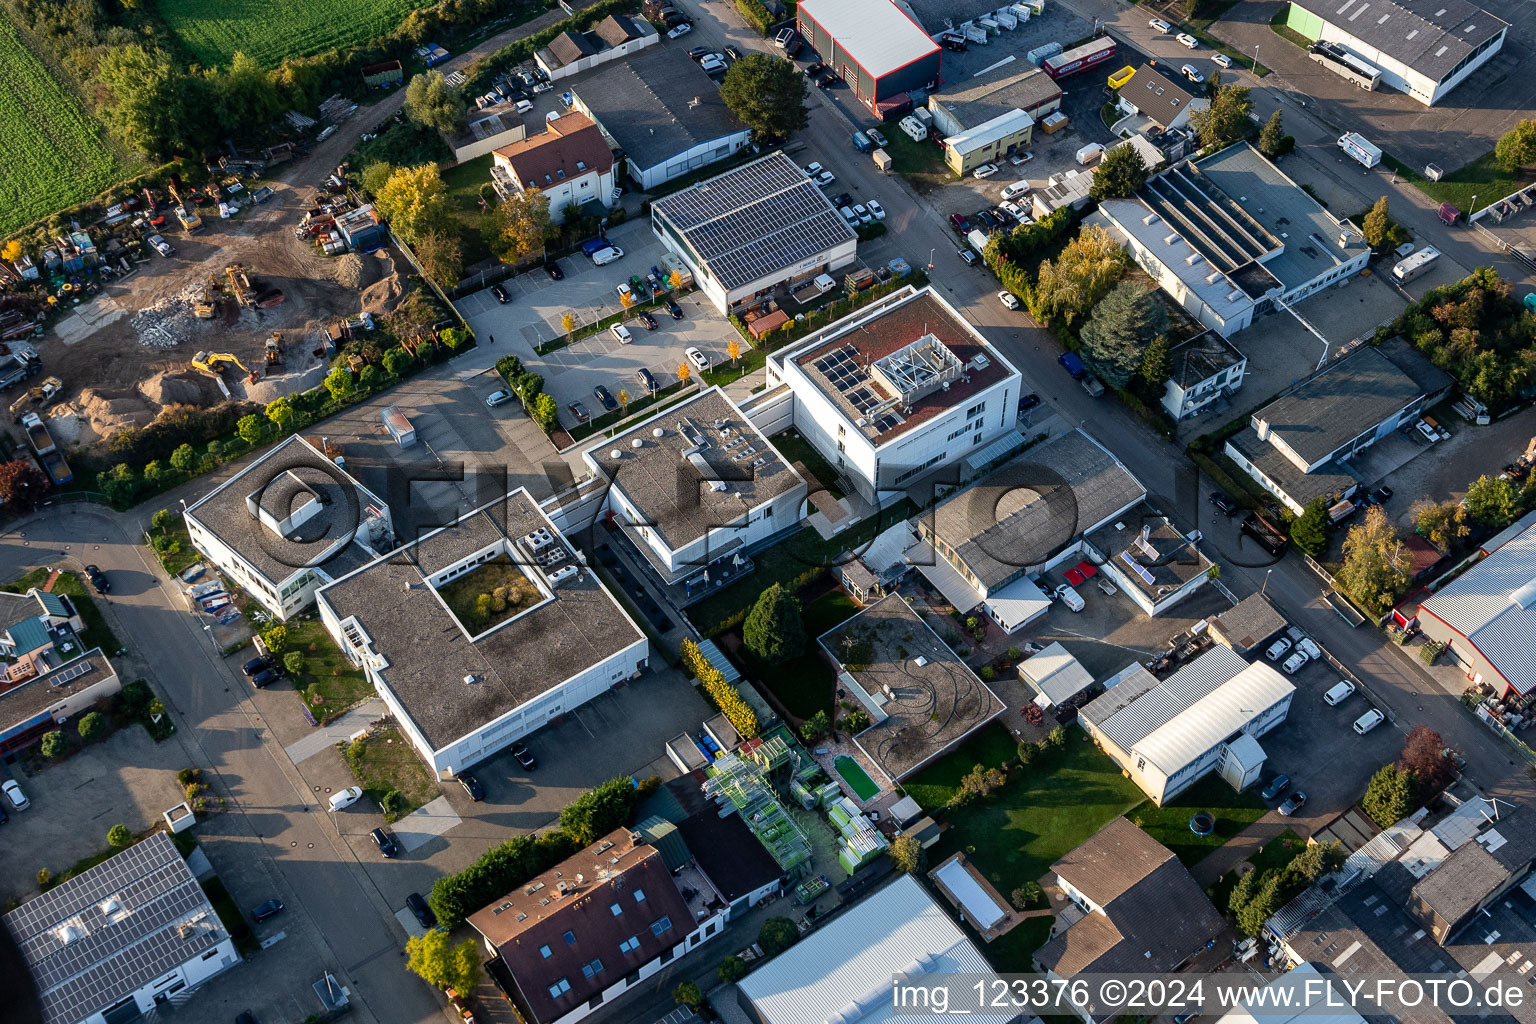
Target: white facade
[[594, 184], [177, 985], [1403, 78], [1184, 400], [488, 129], [877, 467], [558, 71]]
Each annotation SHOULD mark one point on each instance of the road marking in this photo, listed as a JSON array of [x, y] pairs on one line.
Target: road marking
[[272, 940], [425, 824]]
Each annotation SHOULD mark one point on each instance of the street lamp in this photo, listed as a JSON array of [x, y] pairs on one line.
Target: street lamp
[[1472, 209], [1255, 60], [1265, 588]]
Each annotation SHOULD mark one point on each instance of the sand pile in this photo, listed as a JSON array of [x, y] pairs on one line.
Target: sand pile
[[380, 297], [349, 270], [183, 387], [107, 412]]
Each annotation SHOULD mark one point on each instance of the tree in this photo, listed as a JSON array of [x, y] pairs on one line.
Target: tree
[[370, 378], [250, 429], [1272, 136], [777, 935], [1226, 117], [1517, 147], [12, 251], [1313, 863], [1441, 523], [436, 961], [414, 200], [814, 726], [1261, 907], [773, 630], [143, 98], [908, 855], [398, 362], [1120, 328], [184, 458], [1156, 368], [293, 662], [623, 399], [1084, 272], [1120, 174], [162, 519], [1421, 756], [731, 970], [1389, 796], [1491, 502], [767, 94], [1376, 225], [339, 382], [118, 836], [545, 412], [119, 484], [431, 101], [243, 95], [276, 639], [54, 743], [22, 485], [733, 349], [441, 258], [280, 412], [1373, 571], [599, 811], [684, 372], [374, 176], [1310, 530], [687, 993], [568, 325], [522, 224], [93, 726]]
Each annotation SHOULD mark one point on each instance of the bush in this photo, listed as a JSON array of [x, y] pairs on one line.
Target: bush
[[722, 694], [1389, 796], [118, 836], [814, 726], [293, 662], [162, 519], [599, 811], [44, 876], [777, 935], [187, 776], [687, 993], [393, 803], [731, 970], [1029, 751], [276, 639], [93, 727], [1056, 738], [908, 855], [54, 744]]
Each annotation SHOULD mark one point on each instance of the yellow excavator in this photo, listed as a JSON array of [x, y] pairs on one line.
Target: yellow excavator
[[40, 395], [204, 305], [215, 362], [186, 212]]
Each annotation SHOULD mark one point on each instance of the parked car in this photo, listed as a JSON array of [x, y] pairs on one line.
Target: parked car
[[849, 216], [968, 257], [1341, 691], [501, 396], [1068, 595], [1008, 299], [620, 332], [813, 168], [1368, 721], [826, 80], [579, 411], [1430, 433], [862, 212], [813, 69], [959, 223], [605, 398], [698, 53], [14, 794], [1185, 39], [988, 222], [1295, 803], [825, 178], [524, 757], [603, 257], [842, 199], [1159, 25], [1306, 645], [681, 29], [647, 379], [1014, 210], [1028, 402], [984, 171], [1021, 158], [500, 293], [875, 209], [1295, 663], [266, 677], [875, 137], [1225, 505], [1193, 74], [714, 64], [423, 912], [1277, 649], [784, 38], [345, 798], [1221, 59], [552, 268], [253, 666], [386, 843], [1277, 785], [697, 358], [1382, 493], [625, 292], [674, 309], [271, 908], [472, 786]]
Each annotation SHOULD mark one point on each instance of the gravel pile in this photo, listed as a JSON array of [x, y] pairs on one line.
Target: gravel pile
[[164, 325]]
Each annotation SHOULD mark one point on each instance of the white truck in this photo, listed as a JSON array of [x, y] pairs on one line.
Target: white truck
[[977, 240], [1358, 148]]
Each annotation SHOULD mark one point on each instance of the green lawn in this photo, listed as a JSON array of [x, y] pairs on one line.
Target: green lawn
[[477, 228], [386, 762], [806, 684], [1482, 180], [792, 563], [1275, 854], [990, 748], [797, 449], [1287, 33], [327, 674], [923, 160], [185, 553], [96, 632], [1169, 824]]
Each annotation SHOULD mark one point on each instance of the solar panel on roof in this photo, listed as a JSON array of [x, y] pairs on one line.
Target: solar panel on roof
[[1146, 577]]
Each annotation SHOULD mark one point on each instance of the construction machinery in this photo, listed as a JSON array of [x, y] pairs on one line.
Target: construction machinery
[[186, 211], [214, 364], [275, 348], [204, 303], [240, 285], [39, 396]]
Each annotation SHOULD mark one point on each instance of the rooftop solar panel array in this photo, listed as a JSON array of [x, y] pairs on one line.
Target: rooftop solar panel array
[[843, 371], [752, 222]]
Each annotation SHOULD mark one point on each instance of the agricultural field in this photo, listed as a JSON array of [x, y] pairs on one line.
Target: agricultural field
[[268, 31], [54, 153]]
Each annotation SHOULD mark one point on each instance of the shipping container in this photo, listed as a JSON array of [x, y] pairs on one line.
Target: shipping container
[[398, 426]]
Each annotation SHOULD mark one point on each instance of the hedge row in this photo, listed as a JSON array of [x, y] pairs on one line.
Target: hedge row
[[721, 693]]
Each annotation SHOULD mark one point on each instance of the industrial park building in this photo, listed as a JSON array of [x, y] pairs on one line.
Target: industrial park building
[[874, 46]]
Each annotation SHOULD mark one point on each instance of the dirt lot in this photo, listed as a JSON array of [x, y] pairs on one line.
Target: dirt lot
[[126, 355]]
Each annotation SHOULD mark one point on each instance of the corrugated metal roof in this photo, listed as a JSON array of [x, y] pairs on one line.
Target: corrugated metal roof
[[53, 604], [877, 33], [842, 971], [1481, 605], [985, 134], [30, 635], [718, 661], [1055, 673], [1206, 721], [1138, 718]]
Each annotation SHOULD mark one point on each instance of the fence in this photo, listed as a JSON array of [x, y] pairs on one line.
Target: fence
[[1500, 730]]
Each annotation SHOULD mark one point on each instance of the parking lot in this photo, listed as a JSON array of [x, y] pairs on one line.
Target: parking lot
[[1471, 452], [537, 303]]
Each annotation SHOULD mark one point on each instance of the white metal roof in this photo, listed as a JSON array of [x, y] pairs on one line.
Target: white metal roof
[[1202, 724], [877, 33], [1493, 605], [1056, 674], [978, 904], [842, 971], [988, 132], [1019, 603]]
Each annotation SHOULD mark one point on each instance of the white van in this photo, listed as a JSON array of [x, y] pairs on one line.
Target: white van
[[1069, 597], [603, 257], [1339, 694], [345, 798], [1018, 188]]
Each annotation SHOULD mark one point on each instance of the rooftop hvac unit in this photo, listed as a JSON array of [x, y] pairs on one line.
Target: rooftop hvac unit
[[562, 574], [636, 443], [658, 432]]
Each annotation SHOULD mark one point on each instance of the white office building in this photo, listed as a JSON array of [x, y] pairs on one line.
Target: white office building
[[466, 678], [897, 390]]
